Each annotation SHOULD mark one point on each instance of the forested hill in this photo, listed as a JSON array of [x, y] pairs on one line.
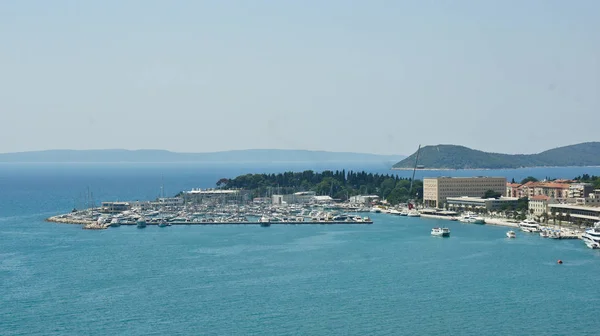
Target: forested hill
[[337, 184], [459, 157]]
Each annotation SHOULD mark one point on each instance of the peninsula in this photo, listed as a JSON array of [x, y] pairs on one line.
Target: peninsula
[[459, 157]]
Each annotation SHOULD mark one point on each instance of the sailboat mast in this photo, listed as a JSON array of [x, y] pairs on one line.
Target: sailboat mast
[[414, 170]]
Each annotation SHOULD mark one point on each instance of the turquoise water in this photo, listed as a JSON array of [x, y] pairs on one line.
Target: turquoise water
[[388, 278]]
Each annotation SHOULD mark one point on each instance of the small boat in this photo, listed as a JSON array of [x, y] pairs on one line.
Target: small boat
[[413, 213], [454, 219], [141, 223], [511, 234], [265, 221], [115, 222], [163, 223], [473, 219], [441, 232], [555, 235]]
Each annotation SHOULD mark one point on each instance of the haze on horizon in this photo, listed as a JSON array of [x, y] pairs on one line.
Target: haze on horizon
[[373, 76]]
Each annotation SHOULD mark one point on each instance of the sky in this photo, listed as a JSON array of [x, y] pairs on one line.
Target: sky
[[358, 76]]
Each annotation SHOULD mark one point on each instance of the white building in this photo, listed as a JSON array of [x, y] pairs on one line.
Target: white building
[[170, 201], [437, 189], [277, 199], [539, 204], [364, 199]]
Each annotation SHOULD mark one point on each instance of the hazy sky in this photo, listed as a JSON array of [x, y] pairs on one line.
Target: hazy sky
[[362, 76]]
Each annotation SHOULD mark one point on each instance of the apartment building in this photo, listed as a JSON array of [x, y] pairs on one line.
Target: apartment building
[[539, 204], [556, 190], [514, 190], [437, 189]]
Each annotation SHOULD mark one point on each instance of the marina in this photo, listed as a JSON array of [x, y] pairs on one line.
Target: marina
[[163, 216]]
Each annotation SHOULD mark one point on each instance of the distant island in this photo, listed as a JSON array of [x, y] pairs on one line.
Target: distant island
[[459, 157], [250, 156]]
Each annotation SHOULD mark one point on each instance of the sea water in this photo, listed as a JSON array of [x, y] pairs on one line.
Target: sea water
[[388, 278]]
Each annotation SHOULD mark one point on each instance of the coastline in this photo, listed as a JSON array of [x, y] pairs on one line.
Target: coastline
[[513, 168]]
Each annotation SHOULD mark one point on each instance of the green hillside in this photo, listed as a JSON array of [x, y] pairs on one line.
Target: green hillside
[[460, 157]]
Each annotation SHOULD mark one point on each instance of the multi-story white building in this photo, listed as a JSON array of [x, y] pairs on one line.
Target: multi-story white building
[[437, 189], [539, 204]]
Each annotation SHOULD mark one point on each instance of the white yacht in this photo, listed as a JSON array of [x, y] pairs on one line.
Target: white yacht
[[413, 213], [529, 225], [441, 232], [511, 234], [472, 218], [591, 237], [404, 212]]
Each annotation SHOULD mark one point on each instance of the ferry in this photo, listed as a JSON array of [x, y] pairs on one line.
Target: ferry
[[511, 234], [529, 225], [441, 232], [591, 237]]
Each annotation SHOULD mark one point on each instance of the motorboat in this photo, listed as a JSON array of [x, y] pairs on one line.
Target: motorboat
[[141, 223], [511, 234], [591, 237], [472, 219], [441, 232], [413, 213], [115, 222], [529, 225]]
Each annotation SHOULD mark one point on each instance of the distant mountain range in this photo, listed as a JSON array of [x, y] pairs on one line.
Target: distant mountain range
[[250, 155], [459, 157]]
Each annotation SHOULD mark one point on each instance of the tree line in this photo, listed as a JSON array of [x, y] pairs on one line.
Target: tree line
[[586, 178], [339, 184]]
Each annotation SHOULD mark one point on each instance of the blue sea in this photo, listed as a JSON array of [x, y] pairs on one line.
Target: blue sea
[[389, 278]]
